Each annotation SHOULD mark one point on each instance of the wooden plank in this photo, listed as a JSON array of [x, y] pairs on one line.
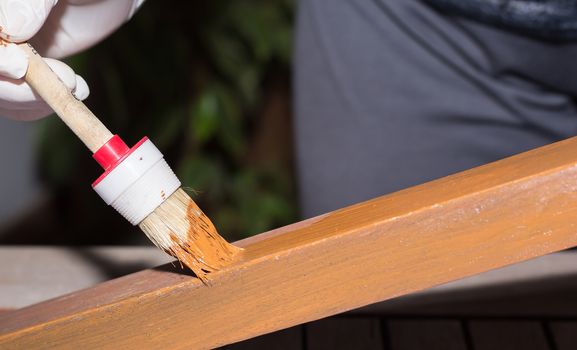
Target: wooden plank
[[485, 218], [415, 334], [510, 335], [541, 287], [344, 333], [286, 339], [564, 334]]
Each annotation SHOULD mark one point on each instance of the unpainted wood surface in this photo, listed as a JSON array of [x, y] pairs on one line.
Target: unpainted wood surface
[[461, 225]]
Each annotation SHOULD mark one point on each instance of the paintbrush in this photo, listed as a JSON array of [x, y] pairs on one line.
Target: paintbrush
[[137, 181]]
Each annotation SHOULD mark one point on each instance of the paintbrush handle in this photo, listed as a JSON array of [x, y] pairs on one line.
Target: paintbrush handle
[[73, 112]]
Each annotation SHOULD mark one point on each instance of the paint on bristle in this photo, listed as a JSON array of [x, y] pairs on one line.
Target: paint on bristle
[[140, 185], [137, 181], [180, 228]]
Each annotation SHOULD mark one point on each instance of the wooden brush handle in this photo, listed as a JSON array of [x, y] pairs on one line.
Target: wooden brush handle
[[73, 112]]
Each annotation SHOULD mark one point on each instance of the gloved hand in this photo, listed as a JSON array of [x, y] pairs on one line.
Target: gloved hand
[[55, 29]]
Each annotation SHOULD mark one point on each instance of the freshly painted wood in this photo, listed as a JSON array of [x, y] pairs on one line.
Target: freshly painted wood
[[342, 333], [31, 274], [495, 215], [416, 334], [510, 335]]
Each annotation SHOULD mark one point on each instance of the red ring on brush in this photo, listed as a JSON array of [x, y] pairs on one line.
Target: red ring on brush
[[112, 153]]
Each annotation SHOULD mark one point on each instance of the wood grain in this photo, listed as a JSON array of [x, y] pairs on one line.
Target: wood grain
[[499, 214]]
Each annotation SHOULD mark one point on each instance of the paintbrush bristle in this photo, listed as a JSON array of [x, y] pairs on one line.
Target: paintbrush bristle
[[181, 229]]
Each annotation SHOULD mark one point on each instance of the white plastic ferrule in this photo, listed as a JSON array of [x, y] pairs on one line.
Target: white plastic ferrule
[[139, 183]]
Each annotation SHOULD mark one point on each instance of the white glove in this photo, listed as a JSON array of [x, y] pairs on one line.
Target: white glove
[[55, 29]]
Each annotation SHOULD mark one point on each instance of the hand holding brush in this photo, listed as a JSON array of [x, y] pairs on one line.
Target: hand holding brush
[[136, 181]]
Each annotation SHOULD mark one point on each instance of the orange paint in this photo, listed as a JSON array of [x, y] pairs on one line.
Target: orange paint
[[181, 229], [204, 251]]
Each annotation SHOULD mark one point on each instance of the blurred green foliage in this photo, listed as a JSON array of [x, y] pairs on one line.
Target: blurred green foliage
[[193, 76]]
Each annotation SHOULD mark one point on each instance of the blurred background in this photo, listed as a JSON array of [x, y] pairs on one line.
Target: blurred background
[[207, 85]]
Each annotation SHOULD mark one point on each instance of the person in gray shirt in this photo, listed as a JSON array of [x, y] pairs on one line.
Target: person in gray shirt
[[390, 94]]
